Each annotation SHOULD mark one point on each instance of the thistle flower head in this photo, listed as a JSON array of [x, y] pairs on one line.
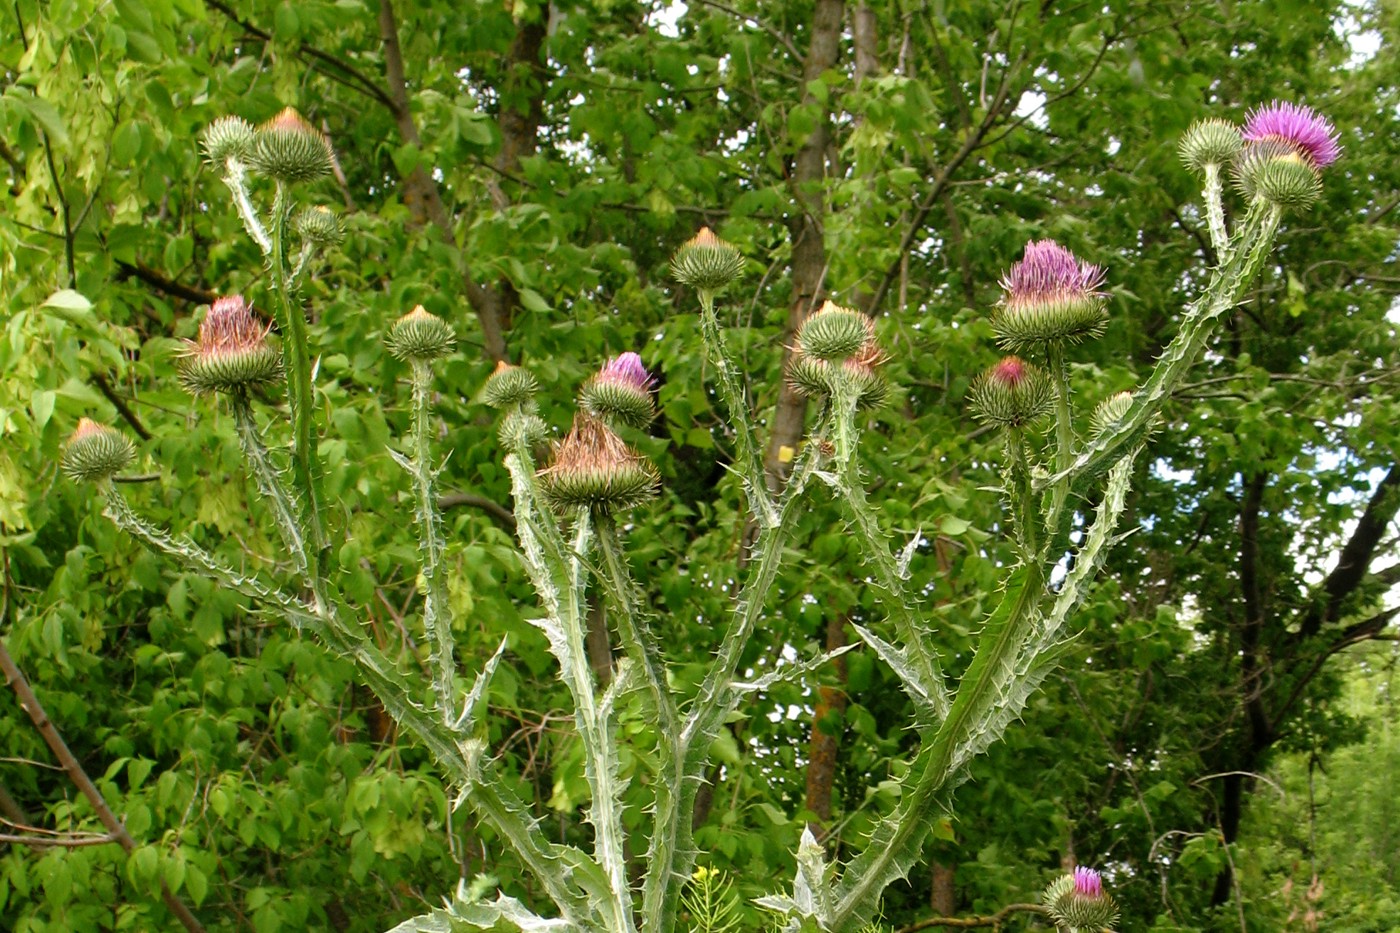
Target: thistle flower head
[[95, 452], [1011, 394], [1078, 901], [621, 392], [1050, 296], [594, 469], [509, 386], [706, 263], [833, 333], [290, 150], [227, 138], [1311, 135], [814, 376], [232, 352], [420, 336]]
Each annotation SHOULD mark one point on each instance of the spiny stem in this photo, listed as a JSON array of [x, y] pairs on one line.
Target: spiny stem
[[299, 391], [899, 603], [732, 392], [1064, 440], [1215, 212], [437, 619], [269, 480], [236, 177], [640, 645]]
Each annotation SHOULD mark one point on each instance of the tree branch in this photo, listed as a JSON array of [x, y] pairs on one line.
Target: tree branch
[[994, 921], [499, 513], [15, 679], [1356, 556]]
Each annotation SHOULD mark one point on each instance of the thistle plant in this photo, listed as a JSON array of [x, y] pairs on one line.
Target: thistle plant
[[572, 504]]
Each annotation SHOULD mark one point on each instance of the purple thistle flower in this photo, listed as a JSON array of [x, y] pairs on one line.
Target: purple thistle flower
[[1049, 272], [1311, 135], [627, 368], [1088, 883]]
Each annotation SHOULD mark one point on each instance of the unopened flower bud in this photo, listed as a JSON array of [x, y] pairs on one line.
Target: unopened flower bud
[[232, 352], [522, 430], [1078, 901], [1278, 173], [420, 337], [290, 150], [834, 333], [319, 226], [509, 386], [95, 452], [1050, 297], [1011, 394], [1210, 142], [815, 377], [706, 262], [594, 469], [620, 391], [227, 138]]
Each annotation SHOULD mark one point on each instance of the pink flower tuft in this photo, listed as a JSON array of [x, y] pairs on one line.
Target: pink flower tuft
[[1312, 135], [229, 327], [1010, 372], [627, 368], [1088, 883], [1049, 272]]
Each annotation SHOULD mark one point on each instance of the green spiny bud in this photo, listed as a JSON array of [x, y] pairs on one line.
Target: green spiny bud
[[707, 263], [1011, 394], [232, 353], [95, 452], [1210, 142], [319, 226], [509, 386], [420, 337], [522, 430], [593, 469], [834, 333], [228, 138], [620, 391], [290, 150], [816, 378], [1278, 173]]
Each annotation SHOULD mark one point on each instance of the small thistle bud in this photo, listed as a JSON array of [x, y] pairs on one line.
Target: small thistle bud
[[707, 263], [834, 333], [1050, 297], [232, 352], [593, 469], [1210, 142], [95, 452], [420, 337], [1012, 393], [1278, 173], [862, 371], [509, 385], [290, 150], [227, 138], [620, 391], [1078, 901], [1109, 412], [522, 430], [319, 226], [1300, 128]]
